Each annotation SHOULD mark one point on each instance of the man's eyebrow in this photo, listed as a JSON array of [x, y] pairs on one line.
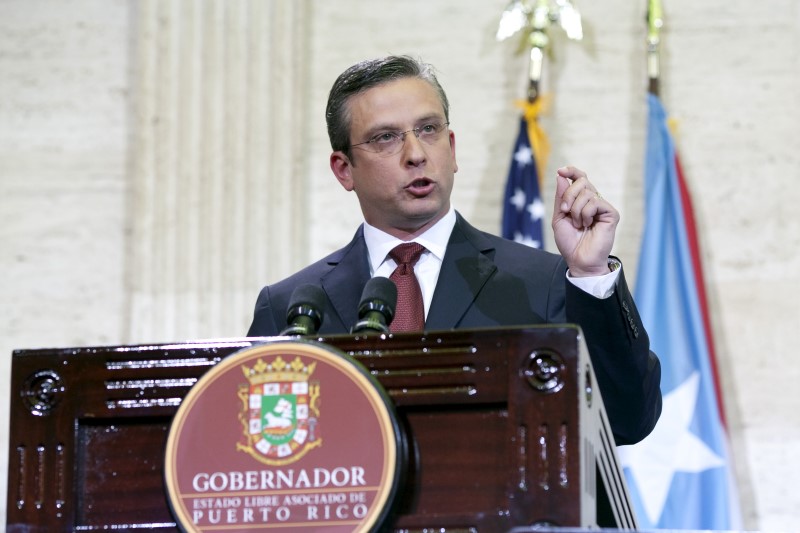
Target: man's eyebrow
[[425, 119], [380, 128]]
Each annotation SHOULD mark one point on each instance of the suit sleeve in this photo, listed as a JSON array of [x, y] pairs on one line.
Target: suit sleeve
[[628, 373], [264, 323]]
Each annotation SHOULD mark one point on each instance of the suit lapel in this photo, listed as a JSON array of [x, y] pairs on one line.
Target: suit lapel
[[466, 268], [345, 282]]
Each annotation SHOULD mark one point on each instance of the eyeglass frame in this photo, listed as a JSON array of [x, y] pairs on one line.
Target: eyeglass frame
[[402, 135]]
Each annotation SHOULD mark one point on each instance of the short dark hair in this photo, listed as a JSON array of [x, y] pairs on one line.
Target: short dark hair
[[366, 75]]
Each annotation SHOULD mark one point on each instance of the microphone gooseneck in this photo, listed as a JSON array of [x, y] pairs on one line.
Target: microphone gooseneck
[[376, 309], [304, 313]]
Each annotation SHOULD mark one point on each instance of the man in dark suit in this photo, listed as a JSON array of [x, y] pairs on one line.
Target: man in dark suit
[[388, 125]]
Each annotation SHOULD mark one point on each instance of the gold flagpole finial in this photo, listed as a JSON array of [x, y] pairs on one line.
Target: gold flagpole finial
[[533, 19]]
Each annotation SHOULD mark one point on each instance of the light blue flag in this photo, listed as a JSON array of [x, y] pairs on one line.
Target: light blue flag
[[680, 476]]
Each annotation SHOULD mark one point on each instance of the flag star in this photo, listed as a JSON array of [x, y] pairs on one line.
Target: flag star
[[524, 156], [670, 448], [536, 209], [518, 200], [526, 240]]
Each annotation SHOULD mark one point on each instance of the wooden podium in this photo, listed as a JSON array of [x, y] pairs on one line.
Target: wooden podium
[[506, 428]]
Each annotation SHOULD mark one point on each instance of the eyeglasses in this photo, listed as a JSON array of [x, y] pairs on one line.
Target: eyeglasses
[[390, 142]]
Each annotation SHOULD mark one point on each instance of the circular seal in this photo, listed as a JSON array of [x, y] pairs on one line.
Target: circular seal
[[284, 436]]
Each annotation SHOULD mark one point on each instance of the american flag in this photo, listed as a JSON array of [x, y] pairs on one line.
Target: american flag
[[523, 210]]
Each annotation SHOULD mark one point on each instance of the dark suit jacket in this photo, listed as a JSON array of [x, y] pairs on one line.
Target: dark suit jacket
[[486, 281]]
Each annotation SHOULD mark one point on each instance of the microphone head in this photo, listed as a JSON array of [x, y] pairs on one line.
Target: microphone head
[[376, 310], [307, 294], [304, 313], [382, 289]]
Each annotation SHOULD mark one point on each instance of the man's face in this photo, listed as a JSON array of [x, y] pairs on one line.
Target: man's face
[[405, 193]]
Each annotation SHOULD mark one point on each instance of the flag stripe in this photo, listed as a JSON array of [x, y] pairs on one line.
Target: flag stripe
[[694, 248]]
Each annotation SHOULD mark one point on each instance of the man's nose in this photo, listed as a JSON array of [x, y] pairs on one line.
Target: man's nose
[[413, 149]]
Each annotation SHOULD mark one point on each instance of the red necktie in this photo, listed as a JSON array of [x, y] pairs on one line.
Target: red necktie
[[410, 312]]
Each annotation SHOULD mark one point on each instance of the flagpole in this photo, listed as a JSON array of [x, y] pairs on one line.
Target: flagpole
[[535, 73], [655, 21], [540, 21]]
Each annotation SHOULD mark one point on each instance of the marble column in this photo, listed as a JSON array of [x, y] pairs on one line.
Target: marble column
[[217, 174]]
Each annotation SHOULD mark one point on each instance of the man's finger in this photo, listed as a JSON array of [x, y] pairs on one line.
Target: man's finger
[[562, 184]]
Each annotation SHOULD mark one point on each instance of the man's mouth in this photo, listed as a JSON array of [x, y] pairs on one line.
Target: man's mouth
[[420, 186]]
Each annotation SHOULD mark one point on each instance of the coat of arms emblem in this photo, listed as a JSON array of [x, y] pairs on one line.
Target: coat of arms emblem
[[280, 411]]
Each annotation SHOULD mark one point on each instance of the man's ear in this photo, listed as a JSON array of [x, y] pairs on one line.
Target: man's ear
[[453, 150], [342, 169]]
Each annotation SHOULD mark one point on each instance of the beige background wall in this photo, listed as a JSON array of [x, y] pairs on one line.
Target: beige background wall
[[151, 152]]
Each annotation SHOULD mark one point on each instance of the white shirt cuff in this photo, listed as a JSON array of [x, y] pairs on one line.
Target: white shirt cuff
[[598, 286]]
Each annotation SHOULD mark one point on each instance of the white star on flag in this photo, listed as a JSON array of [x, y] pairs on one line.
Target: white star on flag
[[524, 156], [518, 200], [526, 240], [536, 209], [670, 448]]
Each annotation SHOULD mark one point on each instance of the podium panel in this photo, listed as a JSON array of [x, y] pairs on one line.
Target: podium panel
[[505, 428]]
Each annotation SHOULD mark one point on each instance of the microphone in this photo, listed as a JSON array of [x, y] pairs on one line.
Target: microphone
[[376, 310], [304, 314]]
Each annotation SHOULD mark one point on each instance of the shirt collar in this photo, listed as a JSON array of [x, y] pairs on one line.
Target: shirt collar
[[435, 239]]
